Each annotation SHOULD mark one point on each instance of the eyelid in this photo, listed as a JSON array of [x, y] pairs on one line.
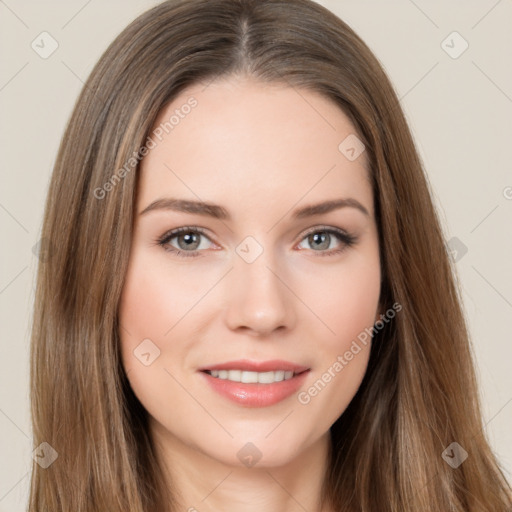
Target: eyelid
[[321, 227]]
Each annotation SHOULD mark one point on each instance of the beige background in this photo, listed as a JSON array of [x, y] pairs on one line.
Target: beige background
[[459, 110]]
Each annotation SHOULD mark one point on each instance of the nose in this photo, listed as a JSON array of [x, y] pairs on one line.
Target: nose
[[259, 301]]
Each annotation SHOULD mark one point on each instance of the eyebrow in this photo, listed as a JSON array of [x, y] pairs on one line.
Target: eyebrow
[[219, 212]]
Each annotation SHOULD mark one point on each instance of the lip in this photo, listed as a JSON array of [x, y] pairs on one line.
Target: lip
[[256, 394], [257, 366]]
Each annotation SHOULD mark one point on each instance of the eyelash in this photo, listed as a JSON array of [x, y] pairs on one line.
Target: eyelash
[[347, 239]]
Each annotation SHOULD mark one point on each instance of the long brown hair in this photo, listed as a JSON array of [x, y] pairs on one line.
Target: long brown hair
[[419, 394]]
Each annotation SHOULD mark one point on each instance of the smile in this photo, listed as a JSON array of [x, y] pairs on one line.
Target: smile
[[252, 377], [254, 389]]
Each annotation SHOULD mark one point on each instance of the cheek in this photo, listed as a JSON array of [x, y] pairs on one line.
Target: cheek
[[345, 299], [348, 305], [157, 314], [150, 311], [146, 312], [155, 298], [355, 305]]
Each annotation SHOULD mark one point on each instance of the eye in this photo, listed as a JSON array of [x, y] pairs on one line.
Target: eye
[[187, 238], [320, 238]]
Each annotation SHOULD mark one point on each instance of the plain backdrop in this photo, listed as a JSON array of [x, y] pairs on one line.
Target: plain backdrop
[[457, 100]]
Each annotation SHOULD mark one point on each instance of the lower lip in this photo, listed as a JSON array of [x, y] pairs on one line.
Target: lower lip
[[256, 394]]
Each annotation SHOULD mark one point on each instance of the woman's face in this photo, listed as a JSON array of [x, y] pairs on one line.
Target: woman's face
[[254, 281]]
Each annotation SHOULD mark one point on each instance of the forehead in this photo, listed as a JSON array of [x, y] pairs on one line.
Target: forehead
[[252, 146]]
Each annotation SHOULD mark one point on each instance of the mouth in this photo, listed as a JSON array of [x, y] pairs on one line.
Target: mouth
[[255, 384], [249, 377]]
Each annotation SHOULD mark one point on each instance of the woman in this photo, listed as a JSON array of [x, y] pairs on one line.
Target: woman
[[258, 370]]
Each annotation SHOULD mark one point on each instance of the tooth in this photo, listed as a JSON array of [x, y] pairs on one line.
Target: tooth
[[266, 377], [279, 375], [235, 375], [249, 377]]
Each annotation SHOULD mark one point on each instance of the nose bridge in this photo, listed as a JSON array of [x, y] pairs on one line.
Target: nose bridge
[[257, 296]]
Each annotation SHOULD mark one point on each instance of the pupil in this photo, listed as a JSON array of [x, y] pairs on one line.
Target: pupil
[[320, 237], [189, 239]]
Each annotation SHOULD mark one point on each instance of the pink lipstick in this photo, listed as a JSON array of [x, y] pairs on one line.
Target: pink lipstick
[[255, 383]]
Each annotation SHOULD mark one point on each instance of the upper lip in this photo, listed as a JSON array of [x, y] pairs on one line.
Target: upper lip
[[257, 366]]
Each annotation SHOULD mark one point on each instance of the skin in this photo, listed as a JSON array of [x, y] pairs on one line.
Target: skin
[[260, 151]]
